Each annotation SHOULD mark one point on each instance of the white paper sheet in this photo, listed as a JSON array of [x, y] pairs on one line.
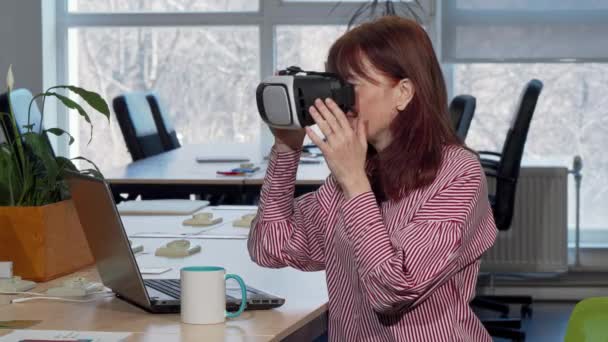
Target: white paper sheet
[[63, 335]]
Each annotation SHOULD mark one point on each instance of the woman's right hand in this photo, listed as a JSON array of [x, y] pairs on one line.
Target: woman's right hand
[[288, 140]]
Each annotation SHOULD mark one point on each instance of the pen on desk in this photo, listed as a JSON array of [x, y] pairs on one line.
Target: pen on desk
[[230, 173], [245, 169]]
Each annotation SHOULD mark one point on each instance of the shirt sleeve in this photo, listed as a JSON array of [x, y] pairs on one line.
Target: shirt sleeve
[[450, 231], [288, 232]]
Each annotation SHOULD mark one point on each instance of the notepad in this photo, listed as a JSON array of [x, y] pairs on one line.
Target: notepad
[[62, 335], [161, 207]]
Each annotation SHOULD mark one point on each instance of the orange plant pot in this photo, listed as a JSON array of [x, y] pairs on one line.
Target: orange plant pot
[[43, 242]]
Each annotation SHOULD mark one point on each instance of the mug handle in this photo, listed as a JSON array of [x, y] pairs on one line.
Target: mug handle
[[243, 295]]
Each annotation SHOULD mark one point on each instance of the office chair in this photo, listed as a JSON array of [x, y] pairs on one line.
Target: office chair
[[20, 102], [505, 169], [142, 134], [462, 109], [138, 126], [168, 136]]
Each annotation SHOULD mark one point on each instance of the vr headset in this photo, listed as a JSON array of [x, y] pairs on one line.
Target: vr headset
[[283, 100]]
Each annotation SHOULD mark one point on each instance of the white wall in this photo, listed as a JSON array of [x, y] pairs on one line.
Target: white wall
[[21, 43]]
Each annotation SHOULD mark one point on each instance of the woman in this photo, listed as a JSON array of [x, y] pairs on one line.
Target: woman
[[399, 227]]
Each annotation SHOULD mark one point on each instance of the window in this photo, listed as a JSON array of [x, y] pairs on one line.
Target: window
[[204, 58], [294, 45], [204, 89], [496, 46], [570, 119], [117, 6]]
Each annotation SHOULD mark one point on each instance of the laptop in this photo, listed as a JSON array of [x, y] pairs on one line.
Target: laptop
[[116, 263]]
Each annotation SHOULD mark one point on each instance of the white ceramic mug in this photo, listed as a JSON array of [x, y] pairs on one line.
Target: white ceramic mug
[[204, 295]]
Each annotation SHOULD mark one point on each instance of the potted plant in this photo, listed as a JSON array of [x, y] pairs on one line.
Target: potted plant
[[39, 227]]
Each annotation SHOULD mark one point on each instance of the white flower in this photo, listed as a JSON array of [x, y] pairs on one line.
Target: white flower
[[10, 80]]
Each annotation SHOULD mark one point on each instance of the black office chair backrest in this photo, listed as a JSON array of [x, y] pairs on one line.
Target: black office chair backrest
[[512, 152], [137, 125], [20, 104], [168, 136], [462, 109]]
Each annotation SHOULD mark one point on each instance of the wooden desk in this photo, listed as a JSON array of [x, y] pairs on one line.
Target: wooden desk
[[302, 317], [177, 173], [185, 335]]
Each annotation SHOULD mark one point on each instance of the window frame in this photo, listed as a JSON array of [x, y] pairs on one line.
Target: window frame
[[592, 257], [270, 14]]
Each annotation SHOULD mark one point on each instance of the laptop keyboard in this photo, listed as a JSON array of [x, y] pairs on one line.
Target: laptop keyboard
[[171, 287], [256, 300]]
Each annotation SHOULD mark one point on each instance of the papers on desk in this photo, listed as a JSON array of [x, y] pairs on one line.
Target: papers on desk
[[311, 160], [221, 159], [235, 207], [161, 207], [225, 230], [60, 335]]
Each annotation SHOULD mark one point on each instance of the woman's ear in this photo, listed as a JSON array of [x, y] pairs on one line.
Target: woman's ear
[[405, 92]]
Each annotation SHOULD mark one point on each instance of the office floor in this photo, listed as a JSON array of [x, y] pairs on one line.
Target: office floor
[[548, 322]]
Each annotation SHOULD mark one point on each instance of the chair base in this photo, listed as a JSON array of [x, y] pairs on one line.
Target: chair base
[[512, 334], [512, 323], [501, 304]]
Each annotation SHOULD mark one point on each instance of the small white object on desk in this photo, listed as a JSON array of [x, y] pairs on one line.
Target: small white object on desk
[[75, 287], [6, 269], [136, 248], [161, 207], [16, 284], [177, 249], [202, 219], [244, 221]]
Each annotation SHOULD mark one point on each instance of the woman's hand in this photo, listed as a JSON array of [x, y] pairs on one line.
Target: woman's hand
[[345, 148], [287, 140]]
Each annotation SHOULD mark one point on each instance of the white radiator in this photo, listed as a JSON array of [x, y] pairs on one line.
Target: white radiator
[[537, 240]]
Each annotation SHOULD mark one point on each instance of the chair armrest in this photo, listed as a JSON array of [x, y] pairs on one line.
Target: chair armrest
[[489, 164], [491, 173], [496, 154]]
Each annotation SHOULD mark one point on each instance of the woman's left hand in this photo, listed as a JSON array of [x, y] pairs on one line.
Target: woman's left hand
[[345, 148]]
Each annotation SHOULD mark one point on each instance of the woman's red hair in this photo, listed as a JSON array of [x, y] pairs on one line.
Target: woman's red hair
[[400, 48]]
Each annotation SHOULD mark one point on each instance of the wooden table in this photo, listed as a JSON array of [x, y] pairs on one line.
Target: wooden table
[[302, 317], [177, 174]]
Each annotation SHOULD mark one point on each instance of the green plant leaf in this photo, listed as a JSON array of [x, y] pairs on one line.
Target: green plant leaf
[[65, 164], [73, 105], [92, 172], [7, 191], [29, 127], [45, 167], [59, 132], [93, 99], [90, 162]]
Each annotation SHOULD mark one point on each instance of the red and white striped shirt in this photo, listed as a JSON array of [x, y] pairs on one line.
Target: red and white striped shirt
[[398, 271]]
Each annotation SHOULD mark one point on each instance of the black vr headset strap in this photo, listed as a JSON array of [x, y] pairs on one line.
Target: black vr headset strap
[[294, 70]]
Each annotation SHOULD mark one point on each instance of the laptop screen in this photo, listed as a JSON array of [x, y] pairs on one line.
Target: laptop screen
[[107, 238]]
